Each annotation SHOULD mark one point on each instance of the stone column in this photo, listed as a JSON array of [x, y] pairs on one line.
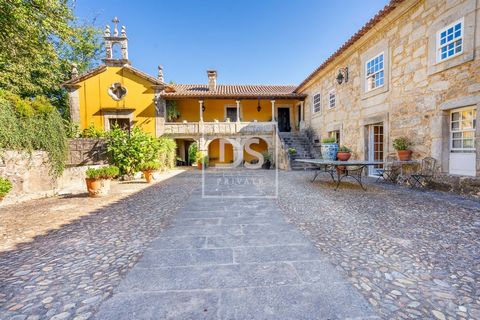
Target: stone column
[[200, 102], [273, 110], [160, 113], [238, 110], [302, 115], [74, 103]]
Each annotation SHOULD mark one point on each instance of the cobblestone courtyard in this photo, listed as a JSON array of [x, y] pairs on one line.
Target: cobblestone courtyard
[[391, 252]]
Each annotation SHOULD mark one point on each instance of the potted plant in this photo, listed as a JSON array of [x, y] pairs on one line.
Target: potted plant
[[402, 146], [98, 180], [202, 160], [329, 148], [267, 160], [5, 187], [292, 151], [148, 168], [344, 153]]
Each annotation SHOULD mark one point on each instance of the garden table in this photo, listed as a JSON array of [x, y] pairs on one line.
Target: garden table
[[403, 177], [351, 168]]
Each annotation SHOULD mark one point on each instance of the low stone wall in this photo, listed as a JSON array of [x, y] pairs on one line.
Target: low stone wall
[[85, 151], [458, 184], [29, 174]]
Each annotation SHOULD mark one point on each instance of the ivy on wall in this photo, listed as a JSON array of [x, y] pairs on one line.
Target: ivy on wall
[[33, 124]]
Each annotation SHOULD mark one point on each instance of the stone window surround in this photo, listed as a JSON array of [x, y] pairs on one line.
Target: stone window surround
[[381, 54], [375, 50], [313, 103], [467, 11], [334, 92], [231, 105], [121, 114]]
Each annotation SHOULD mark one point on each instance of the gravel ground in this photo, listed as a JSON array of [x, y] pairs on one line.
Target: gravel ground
[[68, 272], [412, 254]]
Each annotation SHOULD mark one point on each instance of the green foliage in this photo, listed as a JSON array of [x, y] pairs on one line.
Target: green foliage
[[329, 140], [108, 172], [5, 186], [92, 132], [401, 143], [72, 129], [39, 40], [292, 151], [201, 158], [266, 156], [28, 125], [172, 112], [344, 149], [192, 153], [150, 166], [129, 151]]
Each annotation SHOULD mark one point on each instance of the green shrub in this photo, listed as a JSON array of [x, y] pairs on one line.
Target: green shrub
[[329, 140], [92, 132], [109, 172], [172, 112], [150, 166], [129, 151], [192, 153], [5, 186], [292, 151], [201, 158], [28, 125], [401, 143], [344, 149]]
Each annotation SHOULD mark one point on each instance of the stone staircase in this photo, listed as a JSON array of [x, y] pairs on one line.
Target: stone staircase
[[303, 146]]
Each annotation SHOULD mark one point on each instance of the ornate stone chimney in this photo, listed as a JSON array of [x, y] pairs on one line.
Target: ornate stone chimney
[[212, 80], [160, 73]]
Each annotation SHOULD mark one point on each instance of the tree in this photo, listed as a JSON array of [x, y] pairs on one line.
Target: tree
[[39, 40]]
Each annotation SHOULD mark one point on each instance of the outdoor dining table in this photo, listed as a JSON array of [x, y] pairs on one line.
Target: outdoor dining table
[[351, 168]]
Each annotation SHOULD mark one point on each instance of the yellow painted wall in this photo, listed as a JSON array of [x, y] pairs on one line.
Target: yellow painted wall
[[215, 110], [94, 97], [214, 151], [259, 147]]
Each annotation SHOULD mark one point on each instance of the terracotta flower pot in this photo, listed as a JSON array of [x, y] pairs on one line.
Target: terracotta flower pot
[[343, 156], [404, 155], [1, 198], [97, 187], [199, 166], [148, 176]]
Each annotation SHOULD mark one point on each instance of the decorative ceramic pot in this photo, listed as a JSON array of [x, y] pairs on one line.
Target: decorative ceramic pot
[[98, 187], [148, 174], [343, 156], [404, 155], [329, 151]]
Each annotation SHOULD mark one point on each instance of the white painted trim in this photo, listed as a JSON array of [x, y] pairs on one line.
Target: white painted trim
[[366, 72], [438, 45], [313, 103], [329, 99]]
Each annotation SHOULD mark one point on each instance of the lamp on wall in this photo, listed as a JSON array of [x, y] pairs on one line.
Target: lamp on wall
[[203, 107], [342, 75], [259, 108]]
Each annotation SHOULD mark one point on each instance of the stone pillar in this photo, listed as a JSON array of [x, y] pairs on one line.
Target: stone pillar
[[440, 139], [200, 103], [273, 110], [238, 110], [74, 104], [302, 116], [160, 113]]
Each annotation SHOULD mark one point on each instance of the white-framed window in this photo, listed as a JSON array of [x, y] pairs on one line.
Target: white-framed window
[[332, 99], [462, 129], [375, 72], [450, 41], [317, 103]]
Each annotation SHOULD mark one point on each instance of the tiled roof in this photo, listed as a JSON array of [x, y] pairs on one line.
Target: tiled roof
[[231, 91], [367, 27]]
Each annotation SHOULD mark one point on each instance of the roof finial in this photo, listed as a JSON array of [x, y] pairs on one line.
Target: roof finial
[[74, 71], [115, 26], [106, 33], [160, 73], [124, 31]]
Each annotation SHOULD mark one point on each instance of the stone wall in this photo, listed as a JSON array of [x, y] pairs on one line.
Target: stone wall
[[418, 93], [29, 174], [84, 151]]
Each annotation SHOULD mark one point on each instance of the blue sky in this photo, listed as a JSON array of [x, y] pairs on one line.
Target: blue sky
[[246, 41]]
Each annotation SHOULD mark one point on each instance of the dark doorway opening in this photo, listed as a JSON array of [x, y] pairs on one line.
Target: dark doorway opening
[[283, 115]]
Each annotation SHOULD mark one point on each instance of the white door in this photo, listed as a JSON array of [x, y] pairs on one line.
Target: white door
[[462, 141], [375, 146]]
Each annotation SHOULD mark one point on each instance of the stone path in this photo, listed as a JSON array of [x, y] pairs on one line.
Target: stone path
[[233, 259]]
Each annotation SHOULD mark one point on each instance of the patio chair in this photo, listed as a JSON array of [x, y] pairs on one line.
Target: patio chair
[[425, 175], [390, 170]]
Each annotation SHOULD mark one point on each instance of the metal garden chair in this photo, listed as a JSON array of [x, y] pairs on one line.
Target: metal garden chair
[[425, 175], [390, 170]]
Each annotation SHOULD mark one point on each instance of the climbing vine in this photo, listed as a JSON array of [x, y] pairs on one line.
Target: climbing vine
[[33, 124]]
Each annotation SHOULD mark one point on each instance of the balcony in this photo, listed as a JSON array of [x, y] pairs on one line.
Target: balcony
[[182, 129]]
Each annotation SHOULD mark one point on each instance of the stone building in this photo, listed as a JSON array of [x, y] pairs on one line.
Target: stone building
[[412, 71]]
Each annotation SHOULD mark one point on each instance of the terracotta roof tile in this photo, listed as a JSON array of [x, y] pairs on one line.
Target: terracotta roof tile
[[231, 91], [367, 27]]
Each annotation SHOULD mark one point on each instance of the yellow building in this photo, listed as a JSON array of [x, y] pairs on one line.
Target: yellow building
[[116, 92]]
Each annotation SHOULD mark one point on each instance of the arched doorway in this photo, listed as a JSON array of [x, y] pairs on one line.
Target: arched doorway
[[214, 154], [256, 144]]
